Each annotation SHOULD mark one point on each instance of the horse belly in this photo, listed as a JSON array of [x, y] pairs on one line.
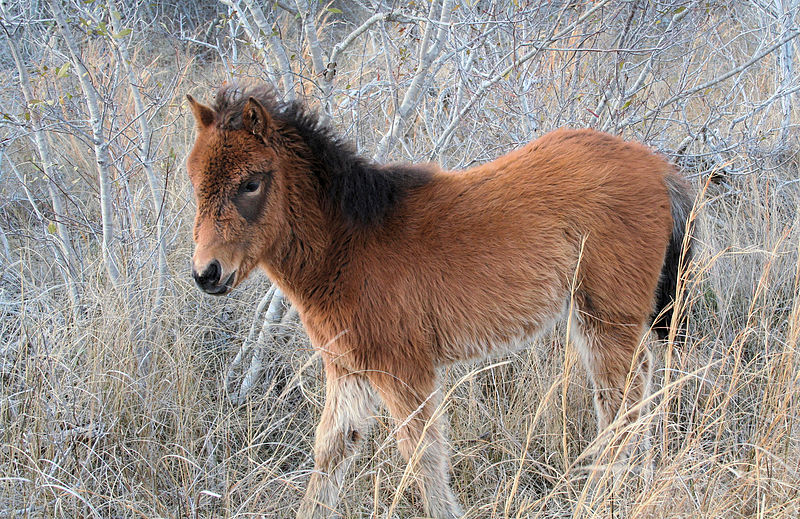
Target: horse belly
[[494, 325]]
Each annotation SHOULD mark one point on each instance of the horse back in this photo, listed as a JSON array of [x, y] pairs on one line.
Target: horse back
[[478, 261]]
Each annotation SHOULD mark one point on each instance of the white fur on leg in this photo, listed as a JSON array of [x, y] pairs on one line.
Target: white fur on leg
[[349, 408]]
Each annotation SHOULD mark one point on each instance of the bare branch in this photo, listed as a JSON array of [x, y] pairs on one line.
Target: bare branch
[[487, 84], [635, 119], [431, 45], [278, 51], [68, 258], [145, 156], [391, 16], [102, 157]]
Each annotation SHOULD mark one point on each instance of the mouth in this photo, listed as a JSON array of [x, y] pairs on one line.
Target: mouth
[[224, 287]]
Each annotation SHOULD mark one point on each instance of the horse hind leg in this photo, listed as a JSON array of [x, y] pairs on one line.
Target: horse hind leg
[[619, 365]]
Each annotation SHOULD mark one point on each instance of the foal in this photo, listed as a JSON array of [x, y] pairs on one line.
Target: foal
[[397, 270]]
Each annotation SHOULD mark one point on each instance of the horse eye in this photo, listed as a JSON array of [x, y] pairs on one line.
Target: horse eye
[[251, 186]]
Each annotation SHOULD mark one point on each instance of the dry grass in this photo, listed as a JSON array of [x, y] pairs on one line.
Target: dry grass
[[84, 434]]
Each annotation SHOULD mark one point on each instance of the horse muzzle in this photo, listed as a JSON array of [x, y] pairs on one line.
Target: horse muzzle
[[211, 281]]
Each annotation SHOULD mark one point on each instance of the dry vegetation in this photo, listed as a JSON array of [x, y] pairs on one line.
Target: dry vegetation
[[113, 399]]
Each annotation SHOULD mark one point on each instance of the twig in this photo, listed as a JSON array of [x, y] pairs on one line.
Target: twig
[[487, 84], [708, 84]]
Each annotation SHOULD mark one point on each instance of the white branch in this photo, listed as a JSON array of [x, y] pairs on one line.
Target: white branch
[[253, 35], [361, 29], [100, 144], [487, 84], [429, 49], [145, 138], [53, 173], [624, 96], [321, 75], [276, 46], [719, 79]]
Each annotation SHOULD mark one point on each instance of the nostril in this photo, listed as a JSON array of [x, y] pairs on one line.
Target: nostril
[[209, 278], [213, 273]]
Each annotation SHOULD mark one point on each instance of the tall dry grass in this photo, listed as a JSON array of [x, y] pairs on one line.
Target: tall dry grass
[[86, 433]]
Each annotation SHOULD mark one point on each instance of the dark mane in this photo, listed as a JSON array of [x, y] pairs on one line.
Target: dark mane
[[364, 192]]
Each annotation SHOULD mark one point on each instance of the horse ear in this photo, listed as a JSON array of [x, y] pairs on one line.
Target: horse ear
[[202, 114], [255, 118]]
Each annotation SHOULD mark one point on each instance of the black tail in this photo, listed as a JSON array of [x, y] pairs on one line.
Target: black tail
[[677, 257]]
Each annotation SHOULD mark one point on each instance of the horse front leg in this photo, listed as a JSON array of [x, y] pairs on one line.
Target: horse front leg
[[422, 438], [349, 411]]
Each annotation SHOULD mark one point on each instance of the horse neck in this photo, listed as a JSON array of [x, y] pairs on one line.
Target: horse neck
[[313, 241]]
